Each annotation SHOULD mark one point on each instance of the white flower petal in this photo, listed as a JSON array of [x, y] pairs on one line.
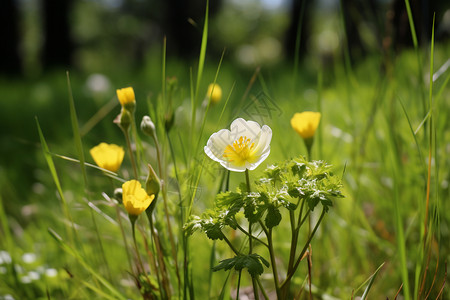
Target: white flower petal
[[242, 147]]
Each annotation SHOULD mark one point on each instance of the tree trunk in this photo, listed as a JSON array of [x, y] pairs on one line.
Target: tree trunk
[[58, 46], [9, 31]]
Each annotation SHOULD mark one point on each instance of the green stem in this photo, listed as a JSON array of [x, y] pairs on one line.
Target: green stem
[[250, 236], [119, 219], [290, 274], [160, 254], [250, 240], [166, 210], [130, 150], [274, 264], [231, 245], [133, 228], [263, 291], [238, 285]]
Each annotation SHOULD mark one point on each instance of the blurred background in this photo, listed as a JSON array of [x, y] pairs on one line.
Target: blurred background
[[356, 55], [109, 44]]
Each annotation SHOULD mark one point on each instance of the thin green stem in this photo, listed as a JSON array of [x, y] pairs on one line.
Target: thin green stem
[[238, 285], [231, 245], [274, 264], [160, 254], [289, 275], [250, 240], [251, 236], [130, 150], [166, 210], [263, 291]]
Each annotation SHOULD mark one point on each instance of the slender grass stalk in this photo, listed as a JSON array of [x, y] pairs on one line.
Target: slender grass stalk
[[209, 103], [79, 146], [297, 48], [51, 166], [7, 240], [86, 265], [98, 116], [319, 109], [201, 63], [76, 130], [369, 281], [417, 50]]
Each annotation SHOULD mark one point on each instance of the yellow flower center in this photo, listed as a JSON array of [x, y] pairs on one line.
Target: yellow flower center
[[240, 151]]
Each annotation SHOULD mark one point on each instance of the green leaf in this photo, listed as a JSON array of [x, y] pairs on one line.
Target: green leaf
[[225, 199], [213, 231], [273, 217], [253, 263]]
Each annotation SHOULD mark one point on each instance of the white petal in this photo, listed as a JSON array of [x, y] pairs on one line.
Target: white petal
[[263, 143], [240, 127], [217, 143]]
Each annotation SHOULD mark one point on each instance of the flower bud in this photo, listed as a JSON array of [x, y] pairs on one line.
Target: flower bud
[[127, 98], [118, 193], [124, 119], [214, 93], [147, 126], [152, 186]]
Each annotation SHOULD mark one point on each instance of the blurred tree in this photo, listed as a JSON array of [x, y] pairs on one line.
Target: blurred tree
[[355, 13], [58, 45], [182, 24], [9, 32], [299, 20], [422, 11]]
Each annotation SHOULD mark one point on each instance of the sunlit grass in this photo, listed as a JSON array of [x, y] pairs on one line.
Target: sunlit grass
[[394, 167]]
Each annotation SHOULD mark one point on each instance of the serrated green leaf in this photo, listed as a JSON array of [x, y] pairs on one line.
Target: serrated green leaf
[[252, 262], [213, 231], [228, 198], [273, 217]]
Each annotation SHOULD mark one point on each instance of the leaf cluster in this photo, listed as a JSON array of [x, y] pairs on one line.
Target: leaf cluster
[[282, 185], [253, 262]]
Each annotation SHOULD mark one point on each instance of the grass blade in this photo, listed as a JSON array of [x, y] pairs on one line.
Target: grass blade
[[51, 166], [86, 265], [370, 281], [76, 130]]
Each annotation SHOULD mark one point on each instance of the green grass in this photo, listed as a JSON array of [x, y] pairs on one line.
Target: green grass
[[372, 132]]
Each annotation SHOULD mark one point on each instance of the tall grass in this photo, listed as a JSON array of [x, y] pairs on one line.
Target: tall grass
[[387, 237]]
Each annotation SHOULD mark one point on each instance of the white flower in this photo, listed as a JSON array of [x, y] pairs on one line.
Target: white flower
[[244, 146]]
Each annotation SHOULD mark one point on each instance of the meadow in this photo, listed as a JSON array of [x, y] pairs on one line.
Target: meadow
[[358, 208]]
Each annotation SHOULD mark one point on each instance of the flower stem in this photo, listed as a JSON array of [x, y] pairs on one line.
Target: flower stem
[[166, 209], [253, 237], [130, 150], [274, 264], [250, 240], [290, 274]]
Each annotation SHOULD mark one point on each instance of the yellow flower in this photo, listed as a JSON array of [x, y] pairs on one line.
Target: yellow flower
[[214, 93], [126, 96], [244, 146], [135, 198], [108, 156], [306, 123]]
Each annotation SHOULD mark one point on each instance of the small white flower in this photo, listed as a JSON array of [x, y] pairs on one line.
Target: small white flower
[[244, 146], [29, 258]]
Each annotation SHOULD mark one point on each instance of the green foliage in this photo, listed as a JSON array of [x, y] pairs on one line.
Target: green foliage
[[253, 262], [282, 186]]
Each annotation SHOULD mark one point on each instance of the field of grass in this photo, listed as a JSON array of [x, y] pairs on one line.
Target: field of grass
[[384, 129]]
